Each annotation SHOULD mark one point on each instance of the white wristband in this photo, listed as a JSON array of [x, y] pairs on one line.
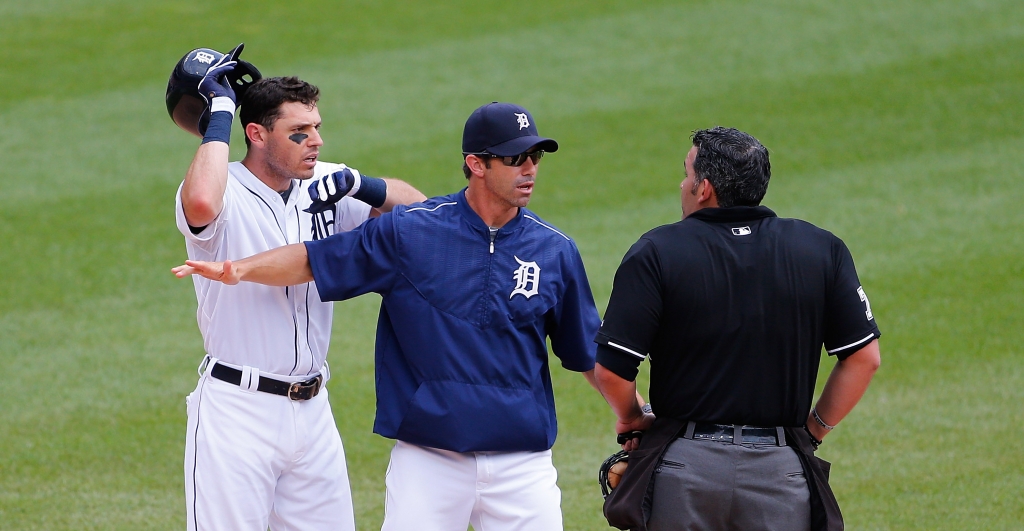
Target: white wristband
[[222, 103], [357, 181]]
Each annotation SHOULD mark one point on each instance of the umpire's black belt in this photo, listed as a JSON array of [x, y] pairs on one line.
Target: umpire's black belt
[[734, 433], [294, 390]]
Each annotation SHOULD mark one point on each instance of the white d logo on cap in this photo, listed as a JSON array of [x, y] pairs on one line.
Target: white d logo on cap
[[524, 122]]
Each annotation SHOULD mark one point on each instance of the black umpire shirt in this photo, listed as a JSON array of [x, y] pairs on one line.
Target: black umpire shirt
[[733, 306]]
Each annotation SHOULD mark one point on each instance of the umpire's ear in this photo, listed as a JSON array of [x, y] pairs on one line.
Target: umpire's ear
[[706, 196]]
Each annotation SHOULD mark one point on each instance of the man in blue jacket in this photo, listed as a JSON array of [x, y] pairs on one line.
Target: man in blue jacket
[[473, 284]]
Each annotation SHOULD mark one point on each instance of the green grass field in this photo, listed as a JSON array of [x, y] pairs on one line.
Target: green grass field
[[895, 124]]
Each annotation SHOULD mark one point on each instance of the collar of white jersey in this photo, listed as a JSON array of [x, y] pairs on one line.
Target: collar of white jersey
[[258, 187]]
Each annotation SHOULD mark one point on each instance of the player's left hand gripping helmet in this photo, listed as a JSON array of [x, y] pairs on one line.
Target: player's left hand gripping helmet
[[187, 108]]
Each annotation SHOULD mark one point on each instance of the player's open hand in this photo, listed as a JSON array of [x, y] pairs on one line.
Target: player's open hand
[[220, 271]]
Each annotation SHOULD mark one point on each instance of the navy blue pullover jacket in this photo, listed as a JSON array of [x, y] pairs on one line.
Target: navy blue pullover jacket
[[461, 354]]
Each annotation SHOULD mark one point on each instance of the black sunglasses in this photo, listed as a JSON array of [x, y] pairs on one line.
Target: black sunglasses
[[514, 160]]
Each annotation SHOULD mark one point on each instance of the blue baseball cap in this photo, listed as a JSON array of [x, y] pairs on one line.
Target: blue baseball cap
[[503, 129]]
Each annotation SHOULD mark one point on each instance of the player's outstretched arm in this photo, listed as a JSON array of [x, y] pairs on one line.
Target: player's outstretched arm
[[283, 266], [845, 387]]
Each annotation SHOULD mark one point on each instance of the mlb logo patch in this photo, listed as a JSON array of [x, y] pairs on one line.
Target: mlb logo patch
[[741, 231]]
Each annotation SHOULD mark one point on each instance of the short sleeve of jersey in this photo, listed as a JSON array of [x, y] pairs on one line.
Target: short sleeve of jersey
[[575, 319], [849, 322], [634, 310], [349, 264], [208, 238]]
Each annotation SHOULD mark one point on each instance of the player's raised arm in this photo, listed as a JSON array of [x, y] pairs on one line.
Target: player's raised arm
[[283, 266], [202, 193]]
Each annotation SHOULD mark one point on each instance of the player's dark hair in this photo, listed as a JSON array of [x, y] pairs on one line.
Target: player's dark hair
[[262, 101], [735, 163]]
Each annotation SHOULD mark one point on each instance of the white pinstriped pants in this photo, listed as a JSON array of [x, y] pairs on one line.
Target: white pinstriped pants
[[254, 460]]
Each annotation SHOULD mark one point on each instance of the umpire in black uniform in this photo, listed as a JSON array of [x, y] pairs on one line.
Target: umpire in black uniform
[[733, 305]]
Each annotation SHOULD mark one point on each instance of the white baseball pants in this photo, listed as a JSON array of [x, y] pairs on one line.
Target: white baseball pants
[[254, 460], [438, 490]]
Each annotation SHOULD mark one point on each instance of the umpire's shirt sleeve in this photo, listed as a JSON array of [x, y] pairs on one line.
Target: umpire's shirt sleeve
[[849, 322], [634, 312], [349, 264]]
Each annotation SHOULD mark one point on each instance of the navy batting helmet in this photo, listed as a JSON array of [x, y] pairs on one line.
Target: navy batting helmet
[[186, 106]]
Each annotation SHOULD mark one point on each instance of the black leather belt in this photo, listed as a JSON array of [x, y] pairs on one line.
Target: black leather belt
[[294, 390], [700, 431]]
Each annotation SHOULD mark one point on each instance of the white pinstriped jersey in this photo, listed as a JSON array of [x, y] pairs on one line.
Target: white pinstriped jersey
[[279, 330]]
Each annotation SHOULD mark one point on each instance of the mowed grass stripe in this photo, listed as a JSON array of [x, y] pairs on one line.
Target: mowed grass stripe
[[383, 101], [56, 49]]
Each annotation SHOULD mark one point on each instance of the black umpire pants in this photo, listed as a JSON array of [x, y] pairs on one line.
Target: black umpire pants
[[709, 485]]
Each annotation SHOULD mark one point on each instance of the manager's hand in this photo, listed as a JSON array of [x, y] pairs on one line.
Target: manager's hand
[[219, 271]]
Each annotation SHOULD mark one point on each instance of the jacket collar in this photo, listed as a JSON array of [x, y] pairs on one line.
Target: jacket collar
[[474, 220], [731, 214]]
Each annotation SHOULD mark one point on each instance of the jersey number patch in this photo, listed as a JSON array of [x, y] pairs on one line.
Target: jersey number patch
[[867, 305]]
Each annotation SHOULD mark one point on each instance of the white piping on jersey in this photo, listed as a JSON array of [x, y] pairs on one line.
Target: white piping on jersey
[[844, 347], [431, 209], [624, 349], [552, 229]]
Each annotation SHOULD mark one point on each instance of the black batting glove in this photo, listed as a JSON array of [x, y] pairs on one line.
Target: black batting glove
[[329, 189], [214, 84]]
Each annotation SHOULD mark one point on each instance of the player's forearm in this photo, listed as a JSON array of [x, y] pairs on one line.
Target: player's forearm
[[284, 266], [202, 194], [400, 193], [845, 387]]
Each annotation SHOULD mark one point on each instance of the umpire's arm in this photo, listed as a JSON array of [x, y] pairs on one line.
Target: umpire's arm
[[844, 388], [625, 402]]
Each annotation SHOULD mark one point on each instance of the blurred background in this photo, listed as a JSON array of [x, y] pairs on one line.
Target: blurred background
[[894, 124]]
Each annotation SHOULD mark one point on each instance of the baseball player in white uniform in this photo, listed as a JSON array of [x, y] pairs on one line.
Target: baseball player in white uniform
[[474, 286], [262, 448]]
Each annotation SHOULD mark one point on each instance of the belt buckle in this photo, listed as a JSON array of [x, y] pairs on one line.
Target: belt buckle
[[305, 390]]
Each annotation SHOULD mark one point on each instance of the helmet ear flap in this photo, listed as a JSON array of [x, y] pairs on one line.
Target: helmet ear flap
[[243, 76]]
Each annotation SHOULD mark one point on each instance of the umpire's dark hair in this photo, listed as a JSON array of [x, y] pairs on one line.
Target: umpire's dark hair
[[735, 163], [263, 99]]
